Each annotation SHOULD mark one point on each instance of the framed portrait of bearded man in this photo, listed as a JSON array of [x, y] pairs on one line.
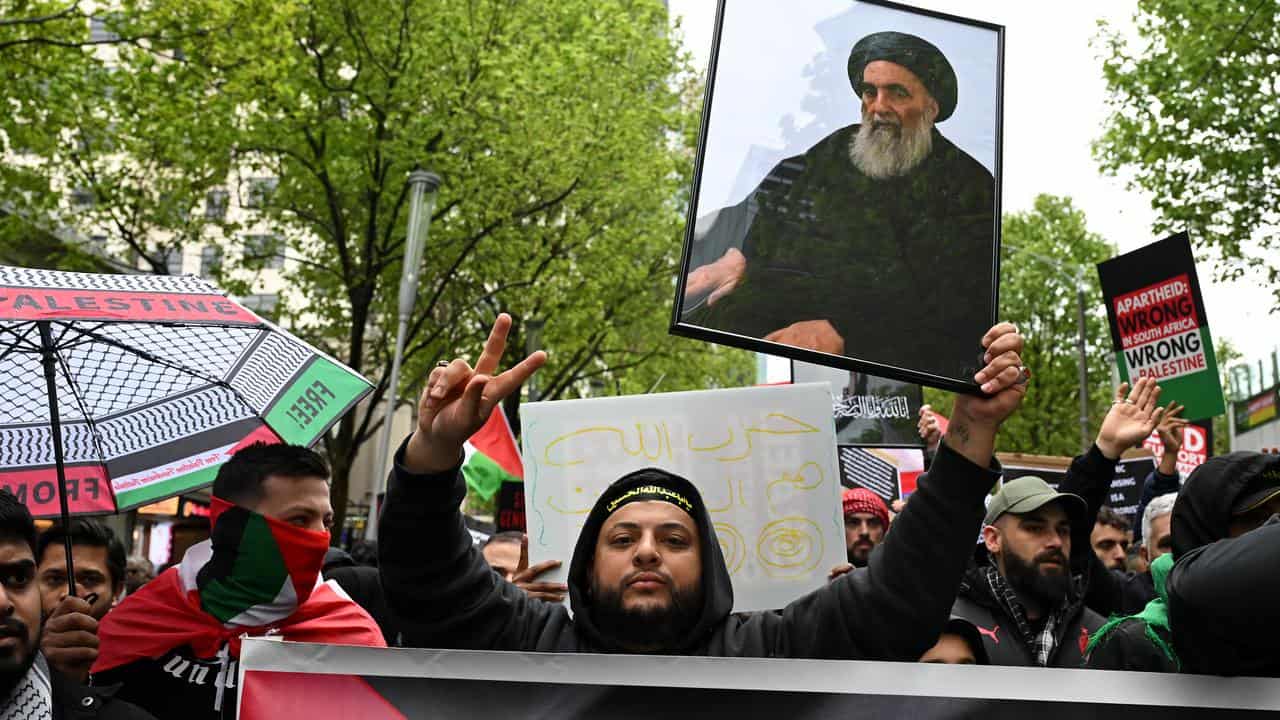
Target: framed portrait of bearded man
[[846, 200]]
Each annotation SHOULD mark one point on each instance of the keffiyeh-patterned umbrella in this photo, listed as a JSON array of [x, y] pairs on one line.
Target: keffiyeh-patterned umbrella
[[126, 389]]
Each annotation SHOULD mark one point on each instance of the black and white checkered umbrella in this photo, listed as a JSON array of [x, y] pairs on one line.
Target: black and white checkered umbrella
[[126, 389]]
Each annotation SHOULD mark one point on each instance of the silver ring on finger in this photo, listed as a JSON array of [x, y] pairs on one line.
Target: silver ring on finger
[[1024, 375], [1127, 401], [442, 363]]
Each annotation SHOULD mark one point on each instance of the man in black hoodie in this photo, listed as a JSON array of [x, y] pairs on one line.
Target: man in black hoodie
[[1219, 609], [1224, 589], [647, 574]]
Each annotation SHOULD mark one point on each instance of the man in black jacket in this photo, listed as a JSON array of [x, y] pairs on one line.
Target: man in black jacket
[[99, 560], [28, 687], [1011, 614], [647, 574], [1132, 417], [1021, 593], [1224, 590]]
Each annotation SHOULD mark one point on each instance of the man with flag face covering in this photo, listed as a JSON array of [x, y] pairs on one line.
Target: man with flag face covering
[[174, 644], [647, 574]]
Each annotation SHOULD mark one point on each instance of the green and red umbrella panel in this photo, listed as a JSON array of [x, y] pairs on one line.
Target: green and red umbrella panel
[[154, 382]]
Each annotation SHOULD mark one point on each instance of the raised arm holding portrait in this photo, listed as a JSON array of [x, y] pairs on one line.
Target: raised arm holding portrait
[[647, 574]]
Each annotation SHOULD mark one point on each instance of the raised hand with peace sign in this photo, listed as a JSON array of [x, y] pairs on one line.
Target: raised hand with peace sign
[[458, 399]]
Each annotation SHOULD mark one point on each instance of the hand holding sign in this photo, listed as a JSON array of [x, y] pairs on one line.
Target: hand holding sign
[[1131, 419], [973, 426], [458, 399]]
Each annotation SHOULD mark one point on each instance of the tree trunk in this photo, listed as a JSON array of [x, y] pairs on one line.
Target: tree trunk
[[341, 457], [342, 449]]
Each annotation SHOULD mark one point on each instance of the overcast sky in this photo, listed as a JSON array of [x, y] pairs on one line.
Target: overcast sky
[[1054, 109]]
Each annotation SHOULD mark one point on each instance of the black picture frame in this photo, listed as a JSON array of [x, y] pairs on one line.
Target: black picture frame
[[958, 380]]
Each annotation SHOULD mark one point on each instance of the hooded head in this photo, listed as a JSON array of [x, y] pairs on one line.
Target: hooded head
[[647, 573], [1226, 495]]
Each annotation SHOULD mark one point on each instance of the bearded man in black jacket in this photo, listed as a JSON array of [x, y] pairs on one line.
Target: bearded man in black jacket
[[29, 687], [1010, 614], [647, 574], [881, 226], [1022, 594]]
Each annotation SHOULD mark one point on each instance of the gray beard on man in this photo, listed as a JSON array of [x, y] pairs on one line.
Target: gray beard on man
[[884, 149]]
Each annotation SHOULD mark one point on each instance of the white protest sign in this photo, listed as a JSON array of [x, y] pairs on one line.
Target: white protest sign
[[764, 460]]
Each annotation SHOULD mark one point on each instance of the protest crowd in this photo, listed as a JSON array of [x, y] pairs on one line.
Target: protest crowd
[[647, 575], [970, 568]]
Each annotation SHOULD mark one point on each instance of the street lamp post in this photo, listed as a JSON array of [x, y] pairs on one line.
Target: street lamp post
[[1077, 279], [1084, 360], [422, 202]]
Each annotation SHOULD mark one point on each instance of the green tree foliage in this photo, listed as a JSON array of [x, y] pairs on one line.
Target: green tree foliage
[[1043, 249], [561, 131], [1195, 120], [99, 105], [63, 24]]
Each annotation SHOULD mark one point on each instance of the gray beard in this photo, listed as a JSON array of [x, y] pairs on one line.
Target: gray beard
[[887, 152]]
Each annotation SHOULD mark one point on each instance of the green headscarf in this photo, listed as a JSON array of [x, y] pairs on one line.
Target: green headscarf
[[1154, 615]]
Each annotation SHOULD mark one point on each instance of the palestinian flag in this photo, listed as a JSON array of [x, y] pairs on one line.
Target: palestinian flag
[[492, 457], [258, 569]]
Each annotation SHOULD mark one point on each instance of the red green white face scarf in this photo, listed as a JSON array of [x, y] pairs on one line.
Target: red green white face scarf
[[254, 570], [255, 576]]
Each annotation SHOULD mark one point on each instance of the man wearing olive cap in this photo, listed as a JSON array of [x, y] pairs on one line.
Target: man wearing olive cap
[[879, 234], [1025, 592]]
